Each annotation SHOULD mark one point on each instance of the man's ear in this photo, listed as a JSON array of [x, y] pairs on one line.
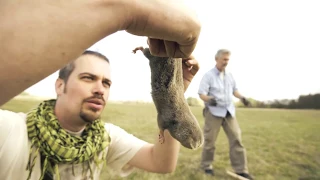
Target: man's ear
[[60, 86]]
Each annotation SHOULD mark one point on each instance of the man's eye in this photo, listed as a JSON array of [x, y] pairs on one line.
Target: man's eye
[[107, 84], [88, 77]]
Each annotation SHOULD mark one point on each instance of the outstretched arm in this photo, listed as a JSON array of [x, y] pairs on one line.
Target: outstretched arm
[[237, 94], [39, 37], [243, 99]]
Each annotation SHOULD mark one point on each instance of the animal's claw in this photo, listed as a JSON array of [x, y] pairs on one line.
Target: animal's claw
[[161, 137]]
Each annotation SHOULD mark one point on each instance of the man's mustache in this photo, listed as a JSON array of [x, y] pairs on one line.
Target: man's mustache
[[98, 99]]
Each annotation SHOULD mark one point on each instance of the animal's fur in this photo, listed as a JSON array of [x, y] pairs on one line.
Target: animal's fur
[[168, 96]]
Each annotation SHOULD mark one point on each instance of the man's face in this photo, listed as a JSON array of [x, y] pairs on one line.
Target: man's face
[[87, 90], [222, 61]]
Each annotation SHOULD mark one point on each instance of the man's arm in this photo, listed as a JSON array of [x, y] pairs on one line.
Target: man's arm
[[162, 156], [204, 88], [205, 98], [159, 157], [243, 99], [237, 94], [39, 37]]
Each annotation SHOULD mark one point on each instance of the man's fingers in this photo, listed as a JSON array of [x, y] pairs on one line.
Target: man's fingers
[[170, 47], [187, 65], [156, 47], [192, 63], [163, 48]]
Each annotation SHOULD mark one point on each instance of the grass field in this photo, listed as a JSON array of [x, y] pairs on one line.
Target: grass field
[[280, 144]]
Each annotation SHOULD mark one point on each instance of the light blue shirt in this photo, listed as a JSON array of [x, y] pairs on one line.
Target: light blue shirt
[[222, 90]]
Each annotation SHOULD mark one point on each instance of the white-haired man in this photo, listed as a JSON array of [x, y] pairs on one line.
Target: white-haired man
[[216, 89]]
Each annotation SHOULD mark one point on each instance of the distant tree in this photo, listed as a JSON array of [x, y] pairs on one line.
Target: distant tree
[[292, 104], [261, 104], [309, 101]]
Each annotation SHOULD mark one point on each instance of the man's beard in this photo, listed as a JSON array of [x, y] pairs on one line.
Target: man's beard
[[90, 115]]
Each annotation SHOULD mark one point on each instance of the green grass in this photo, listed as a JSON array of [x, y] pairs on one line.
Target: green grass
[[280, 144]]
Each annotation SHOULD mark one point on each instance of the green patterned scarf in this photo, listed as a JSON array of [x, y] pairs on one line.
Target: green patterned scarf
[[58, 146]]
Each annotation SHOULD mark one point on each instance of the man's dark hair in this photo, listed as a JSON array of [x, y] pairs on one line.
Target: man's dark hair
[[65, 72]]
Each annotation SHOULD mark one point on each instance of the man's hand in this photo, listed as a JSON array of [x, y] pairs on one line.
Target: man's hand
[[212, 102], [190, 67], [245, 101], [172, 29]]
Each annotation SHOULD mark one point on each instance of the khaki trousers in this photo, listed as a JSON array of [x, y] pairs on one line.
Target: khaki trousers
[[237, 152]]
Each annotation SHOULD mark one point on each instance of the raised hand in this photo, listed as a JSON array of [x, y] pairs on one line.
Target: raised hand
[[172, 29]]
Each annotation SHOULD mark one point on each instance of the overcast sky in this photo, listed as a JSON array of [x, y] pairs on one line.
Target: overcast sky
[[275, 49]]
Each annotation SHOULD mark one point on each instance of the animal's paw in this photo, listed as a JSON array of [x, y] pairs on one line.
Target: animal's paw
[[138, 48]]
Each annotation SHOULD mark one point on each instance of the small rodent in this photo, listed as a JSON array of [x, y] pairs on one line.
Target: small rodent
[[173, 111]]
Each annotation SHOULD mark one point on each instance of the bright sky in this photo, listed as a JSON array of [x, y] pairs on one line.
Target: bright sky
[[274, 45]]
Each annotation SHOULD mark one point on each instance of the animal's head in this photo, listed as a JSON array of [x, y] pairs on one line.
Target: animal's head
[[183, 126]]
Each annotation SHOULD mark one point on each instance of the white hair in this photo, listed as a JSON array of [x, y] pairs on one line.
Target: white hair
[[221, 52]]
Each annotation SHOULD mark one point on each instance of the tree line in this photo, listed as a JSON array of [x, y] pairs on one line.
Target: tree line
[[311, 101]]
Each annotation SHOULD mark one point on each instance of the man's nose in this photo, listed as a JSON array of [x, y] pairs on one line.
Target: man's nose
[[98, 88]]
